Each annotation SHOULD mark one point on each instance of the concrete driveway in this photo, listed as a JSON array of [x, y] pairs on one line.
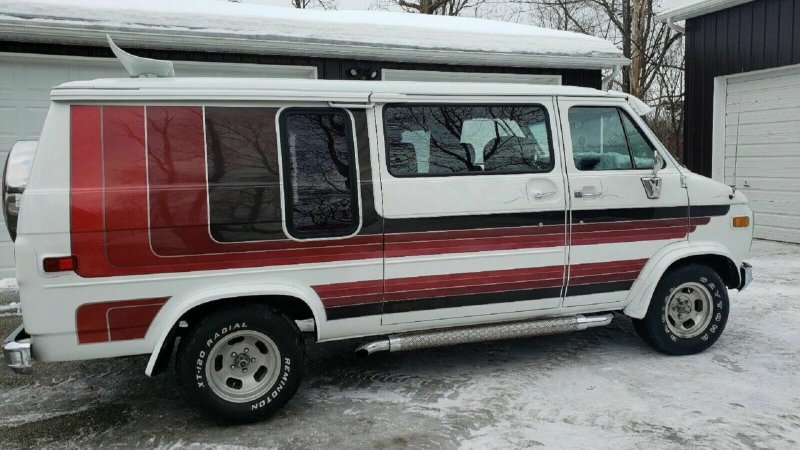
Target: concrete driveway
[[601, 388]]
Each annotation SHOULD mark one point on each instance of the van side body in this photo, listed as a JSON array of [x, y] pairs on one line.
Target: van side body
[[167, 200]]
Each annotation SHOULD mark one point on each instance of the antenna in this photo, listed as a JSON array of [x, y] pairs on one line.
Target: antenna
[[736, 151], [136, 66]]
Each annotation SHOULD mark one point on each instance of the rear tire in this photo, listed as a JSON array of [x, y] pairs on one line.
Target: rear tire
[[688, 311], [241, 364]]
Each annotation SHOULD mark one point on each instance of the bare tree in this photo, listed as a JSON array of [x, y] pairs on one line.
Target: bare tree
[[656, 70], [308, 4], [628, 22], [439, 7]]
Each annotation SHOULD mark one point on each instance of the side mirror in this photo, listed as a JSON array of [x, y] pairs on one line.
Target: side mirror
[[658, 163], [652, 184]]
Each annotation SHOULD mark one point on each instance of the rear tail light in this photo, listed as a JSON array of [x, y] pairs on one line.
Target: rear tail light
[[59, 264]]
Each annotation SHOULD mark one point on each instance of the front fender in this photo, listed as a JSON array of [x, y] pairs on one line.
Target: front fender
[[641, 293], [177, 307]]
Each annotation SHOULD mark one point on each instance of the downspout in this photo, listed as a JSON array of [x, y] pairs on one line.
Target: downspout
[[606, 83], [675, 27]]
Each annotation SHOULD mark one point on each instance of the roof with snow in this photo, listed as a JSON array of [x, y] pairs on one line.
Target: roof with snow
[[678, 10], [212, 25]]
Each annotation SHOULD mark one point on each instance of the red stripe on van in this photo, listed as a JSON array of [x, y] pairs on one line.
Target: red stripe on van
[[110, 228], [435, 286], [116, 320], [86, 181]]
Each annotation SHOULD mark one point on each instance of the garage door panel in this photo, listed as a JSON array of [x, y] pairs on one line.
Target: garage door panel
[[760, 148], [791, 101], [786, 132], [744, 172], [750, 101], [772, 162], [760, 117], [776, 233], [766, 80], [765, 183], [785, 136], [777, 220], [8, 123]]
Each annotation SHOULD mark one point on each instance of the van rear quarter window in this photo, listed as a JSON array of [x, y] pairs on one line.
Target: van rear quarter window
[[441, 140], [243, 174], [320, 183]]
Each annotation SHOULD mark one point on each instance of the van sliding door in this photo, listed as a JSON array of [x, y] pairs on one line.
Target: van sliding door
[[474, 210]]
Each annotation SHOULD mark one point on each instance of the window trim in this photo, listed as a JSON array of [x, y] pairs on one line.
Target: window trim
[[286, 190], [466, 174], [620, 111]]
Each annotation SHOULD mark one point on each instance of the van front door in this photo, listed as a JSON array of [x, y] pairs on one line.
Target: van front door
[[474, 210], [615, 227]]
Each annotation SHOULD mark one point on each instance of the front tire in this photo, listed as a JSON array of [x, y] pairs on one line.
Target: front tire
[[241, 364], [688, 311]]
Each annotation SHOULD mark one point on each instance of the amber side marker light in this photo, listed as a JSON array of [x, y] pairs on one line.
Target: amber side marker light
[[59, 264], [741, 222]]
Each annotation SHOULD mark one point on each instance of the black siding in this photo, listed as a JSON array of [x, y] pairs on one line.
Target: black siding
[[327, 68], [755, 36]]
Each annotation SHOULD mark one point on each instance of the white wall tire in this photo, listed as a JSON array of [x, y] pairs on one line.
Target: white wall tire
[[240, 365], [688, 311]]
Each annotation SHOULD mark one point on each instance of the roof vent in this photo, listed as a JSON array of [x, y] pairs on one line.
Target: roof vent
[[138, 67]]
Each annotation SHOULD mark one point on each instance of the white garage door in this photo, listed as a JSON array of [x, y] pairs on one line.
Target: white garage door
[[25, 82], [758, 147]]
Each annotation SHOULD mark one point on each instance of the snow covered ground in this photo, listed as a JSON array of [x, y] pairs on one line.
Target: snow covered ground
[[601, 388]]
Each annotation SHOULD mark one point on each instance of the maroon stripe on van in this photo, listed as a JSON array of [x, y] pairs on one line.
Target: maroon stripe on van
[[116, 320], [488, 282]]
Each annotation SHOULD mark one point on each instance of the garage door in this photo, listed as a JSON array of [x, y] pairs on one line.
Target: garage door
[[759, 150], [25, 82]]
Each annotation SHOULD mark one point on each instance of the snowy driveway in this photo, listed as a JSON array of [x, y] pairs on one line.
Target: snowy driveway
[[601, 388]]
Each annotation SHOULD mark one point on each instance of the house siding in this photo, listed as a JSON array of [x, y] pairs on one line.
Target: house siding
[[327, 68], [754, 36]]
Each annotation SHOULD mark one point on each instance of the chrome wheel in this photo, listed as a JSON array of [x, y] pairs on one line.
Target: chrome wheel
[[243, 366], [689, 310]]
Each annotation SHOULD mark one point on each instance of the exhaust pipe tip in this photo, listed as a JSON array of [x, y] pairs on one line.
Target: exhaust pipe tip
[[373, 347]]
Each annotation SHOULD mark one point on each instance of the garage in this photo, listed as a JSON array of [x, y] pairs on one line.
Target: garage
[[26, 79], [742, 102], [757, 147]]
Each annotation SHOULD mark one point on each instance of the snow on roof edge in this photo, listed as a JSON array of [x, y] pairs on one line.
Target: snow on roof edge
[[679, 10], [364, 34]]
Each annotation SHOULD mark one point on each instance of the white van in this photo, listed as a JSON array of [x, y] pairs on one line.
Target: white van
[[228, 216]]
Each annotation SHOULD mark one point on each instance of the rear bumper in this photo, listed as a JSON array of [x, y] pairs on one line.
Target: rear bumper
[[745, 275], [17, 351]]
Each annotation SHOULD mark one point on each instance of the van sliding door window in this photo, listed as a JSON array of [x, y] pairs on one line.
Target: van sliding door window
[[607, 139], [442, 140], [320, 184]]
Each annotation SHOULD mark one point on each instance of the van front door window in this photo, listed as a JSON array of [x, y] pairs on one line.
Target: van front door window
[[607, 139]]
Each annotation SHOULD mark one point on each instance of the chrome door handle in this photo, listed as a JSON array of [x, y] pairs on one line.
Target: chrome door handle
[[541, 195], [581, 194]]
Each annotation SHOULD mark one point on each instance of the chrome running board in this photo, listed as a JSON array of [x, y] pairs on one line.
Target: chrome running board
[[482, 333]]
